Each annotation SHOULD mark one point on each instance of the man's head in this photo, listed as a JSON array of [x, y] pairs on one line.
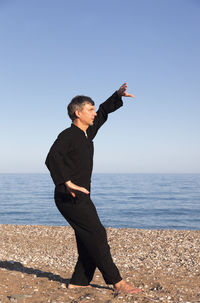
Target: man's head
[[83, 109]]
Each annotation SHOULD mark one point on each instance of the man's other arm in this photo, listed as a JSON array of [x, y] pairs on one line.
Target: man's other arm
[[58, 167], [59, 171]]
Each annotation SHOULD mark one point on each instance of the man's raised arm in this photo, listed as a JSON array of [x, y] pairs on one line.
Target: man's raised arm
[[110, 105]]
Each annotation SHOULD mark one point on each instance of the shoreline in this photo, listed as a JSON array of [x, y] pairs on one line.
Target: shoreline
[[106, 227], [36, 263]]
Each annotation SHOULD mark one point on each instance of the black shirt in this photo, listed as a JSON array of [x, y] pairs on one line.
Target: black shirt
[[71, 155]]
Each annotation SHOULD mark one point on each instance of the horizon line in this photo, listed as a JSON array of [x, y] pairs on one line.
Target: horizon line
[[119, 173]]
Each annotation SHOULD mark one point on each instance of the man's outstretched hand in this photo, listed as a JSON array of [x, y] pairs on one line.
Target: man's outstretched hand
[[73, 187], [122, 91]]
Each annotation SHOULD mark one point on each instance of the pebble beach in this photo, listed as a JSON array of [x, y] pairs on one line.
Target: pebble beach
[[36, 263]]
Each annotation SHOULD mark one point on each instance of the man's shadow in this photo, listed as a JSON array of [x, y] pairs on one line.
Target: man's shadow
[[17, 266]]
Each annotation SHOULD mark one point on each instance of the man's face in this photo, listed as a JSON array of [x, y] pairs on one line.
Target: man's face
[[87, 114]]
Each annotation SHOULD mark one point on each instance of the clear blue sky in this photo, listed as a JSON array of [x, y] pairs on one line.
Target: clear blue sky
[[52, 50]]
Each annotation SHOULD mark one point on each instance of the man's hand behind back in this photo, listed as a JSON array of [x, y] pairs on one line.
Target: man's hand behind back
[[73, 187]]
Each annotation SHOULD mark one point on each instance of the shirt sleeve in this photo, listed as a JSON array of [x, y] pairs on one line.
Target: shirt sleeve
[[110, 105], [55, 162]]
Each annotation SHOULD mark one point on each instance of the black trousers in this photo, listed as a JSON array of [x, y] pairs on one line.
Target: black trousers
[[91, 238]]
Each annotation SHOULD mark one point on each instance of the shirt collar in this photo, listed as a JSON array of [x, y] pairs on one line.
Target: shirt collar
[[78, 129]]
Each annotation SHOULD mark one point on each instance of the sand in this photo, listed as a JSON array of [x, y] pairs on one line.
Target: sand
[[36, 263]]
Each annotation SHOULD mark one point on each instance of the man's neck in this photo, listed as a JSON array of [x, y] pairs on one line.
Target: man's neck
[[82, 126]]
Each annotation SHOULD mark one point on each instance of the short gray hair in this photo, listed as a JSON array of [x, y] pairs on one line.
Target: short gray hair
[[77, 104]]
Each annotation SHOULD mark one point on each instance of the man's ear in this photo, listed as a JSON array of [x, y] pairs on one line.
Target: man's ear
[[77, 113]]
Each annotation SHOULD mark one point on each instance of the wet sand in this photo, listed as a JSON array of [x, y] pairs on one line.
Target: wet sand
[[36, 263]]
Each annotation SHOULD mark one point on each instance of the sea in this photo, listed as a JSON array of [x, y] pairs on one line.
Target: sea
[[143, 201]]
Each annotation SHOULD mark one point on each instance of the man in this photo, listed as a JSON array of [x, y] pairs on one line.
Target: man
[[70, 162]]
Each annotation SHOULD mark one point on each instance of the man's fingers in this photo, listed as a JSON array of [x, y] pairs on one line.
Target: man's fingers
[[123, 87], [122, 91], [72, 187], [129, 95], [73, 194], [84, 190]]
